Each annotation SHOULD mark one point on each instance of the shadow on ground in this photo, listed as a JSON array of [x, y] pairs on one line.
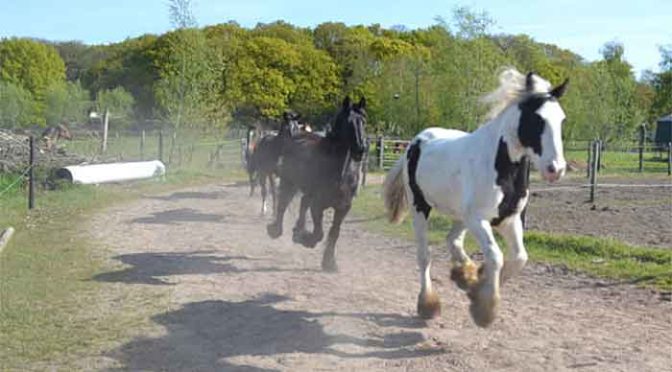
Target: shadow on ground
[[192, 195], [202, 335], [151, 268], [174, 216]]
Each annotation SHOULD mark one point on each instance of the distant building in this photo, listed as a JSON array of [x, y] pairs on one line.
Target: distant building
[[664, 130]]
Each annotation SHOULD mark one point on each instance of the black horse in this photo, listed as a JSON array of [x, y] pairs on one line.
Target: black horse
[[326, 171], [262, 166]]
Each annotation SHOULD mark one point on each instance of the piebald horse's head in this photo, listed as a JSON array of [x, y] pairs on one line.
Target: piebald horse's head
[[540, 127]]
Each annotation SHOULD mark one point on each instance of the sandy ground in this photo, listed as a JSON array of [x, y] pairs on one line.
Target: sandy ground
[[636, 211], [239, 301]]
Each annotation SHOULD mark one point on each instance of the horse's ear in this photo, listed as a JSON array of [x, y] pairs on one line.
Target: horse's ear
[[560, 90], [362, 103], [346, 102], [529, 81]]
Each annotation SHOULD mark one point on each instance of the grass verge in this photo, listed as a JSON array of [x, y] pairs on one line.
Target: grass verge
[[606, 258], [46, 271]]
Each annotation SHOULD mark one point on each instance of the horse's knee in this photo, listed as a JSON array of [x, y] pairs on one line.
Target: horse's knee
[[429, 305]]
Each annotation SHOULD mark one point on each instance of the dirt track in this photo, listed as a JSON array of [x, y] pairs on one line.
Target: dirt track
[[239, 301]]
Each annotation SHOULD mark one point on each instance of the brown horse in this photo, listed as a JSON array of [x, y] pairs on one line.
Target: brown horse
[[53, 134], [326, 171]]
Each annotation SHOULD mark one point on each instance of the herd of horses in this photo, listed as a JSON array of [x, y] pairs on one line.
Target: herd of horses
[[480, 179]]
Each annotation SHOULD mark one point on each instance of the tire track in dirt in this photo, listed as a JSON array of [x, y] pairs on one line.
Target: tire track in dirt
[[240, 301]]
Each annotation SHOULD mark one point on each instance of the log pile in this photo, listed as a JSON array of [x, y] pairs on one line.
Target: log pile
[[15, 154]]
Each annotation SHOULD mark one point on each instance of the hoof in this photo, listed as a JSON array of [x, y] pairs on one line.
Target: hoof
[[429, 305], [299, 236], [465, 276], [274, 231], [483, 311], [329, 266]]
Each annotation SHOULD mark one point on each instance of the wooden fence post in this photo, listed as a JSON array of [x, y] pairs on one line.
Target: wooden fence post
[[598, 151], [589, 161], [31, 174], [669, 158], [106, 124], [593, 173], [142, 145], [381, 152], [642, 138], [161, 145]]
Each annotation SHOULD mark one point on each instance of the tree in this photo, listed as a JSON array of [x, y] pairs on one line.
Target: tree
[[17, 107], [120, 104], [68, 103]]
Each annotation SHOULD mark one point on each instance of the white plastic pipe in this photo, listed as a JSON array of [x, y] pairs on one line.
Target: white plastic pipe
[[113, 172]]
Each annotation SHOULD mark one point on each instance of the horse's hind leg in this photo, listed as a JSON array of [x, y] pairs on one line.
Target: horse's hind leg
[[512, 232], [264, 192], [299, 231], [274, 196], [429, 305], [329, 256], [317, 213], [287, 191], [464, 272]]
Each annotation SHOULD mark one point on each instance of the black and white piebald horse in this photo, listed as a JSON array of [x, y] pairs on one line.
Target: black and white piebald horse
[[481, 180]]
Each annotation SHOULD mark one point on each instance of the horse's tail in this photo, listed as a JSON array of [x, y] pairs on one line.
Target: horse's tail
[[394, 192]]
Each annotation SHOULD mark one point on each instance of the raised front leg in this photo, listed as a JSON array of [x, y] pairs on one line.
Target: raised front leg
[[299, 232], [429, 305], [329, 256], [512, 232], [484, 294], [287, 191], [464, 272]]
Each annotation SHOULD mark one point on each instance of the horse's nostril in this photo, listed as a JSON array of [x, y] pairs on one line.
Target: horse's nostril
[[551, 169]]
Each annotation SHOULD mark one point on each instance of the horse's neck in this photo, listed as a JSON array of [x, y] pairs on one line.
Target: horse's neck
[[503, 126]]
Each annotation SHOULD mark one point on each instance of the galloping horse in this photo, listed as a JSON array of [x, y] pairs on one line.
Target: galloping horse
[[263, 162], [326, 171], [480, 179], [51, 135]]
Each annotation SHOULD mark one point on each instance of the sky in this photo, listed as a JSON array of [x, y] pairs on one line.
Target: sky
[[582, 26]]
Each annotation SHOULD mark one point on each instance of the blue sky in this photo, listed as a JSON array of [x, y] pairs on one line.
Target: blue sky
[[582, 26]]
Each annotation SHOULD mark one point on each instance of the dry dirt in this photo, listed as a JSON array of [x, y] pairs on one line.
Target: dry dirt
[[636, 211], [239, 301]]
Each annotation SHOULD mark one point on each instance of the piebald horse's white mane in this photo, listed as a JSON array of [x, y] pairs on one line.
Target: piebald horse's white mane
[[512, 89]]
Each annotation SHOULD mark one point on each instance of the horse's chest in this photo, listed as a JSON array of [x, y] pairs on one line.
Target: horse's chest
[[513, 182]]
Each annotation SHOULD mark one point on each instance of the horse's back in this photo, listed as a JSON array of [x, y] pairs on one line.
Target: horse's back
[[439, 167]]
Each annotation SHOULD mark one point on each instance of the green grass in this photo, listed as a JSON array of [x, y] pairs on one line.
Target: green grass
[[48, 302], [606, 258]]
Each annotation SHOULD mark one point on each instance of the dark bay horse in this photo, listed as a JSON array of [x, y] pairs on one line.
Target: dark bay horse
[[326, 171], [262, 165]]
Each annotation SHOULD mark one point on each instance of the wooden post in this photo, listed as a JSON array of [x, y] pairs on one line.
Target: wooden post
[[593, 173], [161, 145], [31, 175], [106, 122], [589, 161], [142, 145], [642, 138], [365, 163], [598, 151], [381, 152], [669, 158]]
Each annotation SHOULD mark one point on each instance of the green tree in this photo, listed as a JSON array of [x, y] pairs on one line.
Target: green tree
[[119, 102], [67, 103], [17, 107]]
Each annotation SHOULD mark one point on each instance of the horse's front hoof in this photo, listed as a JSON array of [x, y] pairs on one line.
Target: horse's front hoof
[[429, 305], [484, 311], [329, 266], [298, 236], [274, 231]]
